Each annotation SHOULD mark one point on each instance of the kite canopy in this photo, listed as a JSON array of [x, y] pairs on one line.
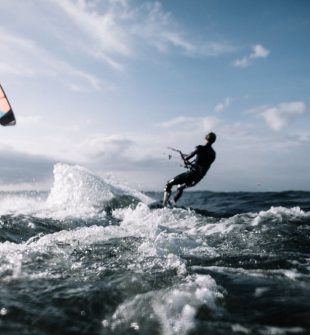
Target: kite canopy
[[7, 117]]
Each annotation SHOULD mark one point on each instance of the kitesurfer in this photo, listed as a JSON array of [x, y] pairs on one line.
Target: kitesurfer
[[205, 156]]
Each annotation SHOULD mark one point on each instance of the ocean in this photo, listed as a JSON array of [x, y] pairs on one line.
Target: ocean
[[91, 256]]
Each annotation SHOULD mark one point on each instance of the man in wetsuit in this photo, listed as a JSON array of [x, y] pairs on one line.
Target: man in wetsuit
[[205, 156]]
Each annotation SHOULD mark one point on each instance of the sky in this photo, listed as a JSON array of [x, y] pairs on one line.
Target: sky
[[110, 84]]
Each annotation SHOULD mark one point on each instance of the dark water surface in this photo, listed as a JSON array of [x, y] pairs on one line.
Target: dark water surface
[[90, 257]]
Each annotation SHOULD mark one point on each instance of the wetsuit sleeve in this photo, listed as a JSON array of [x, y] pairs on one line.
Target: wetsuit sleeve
[[192, 154]]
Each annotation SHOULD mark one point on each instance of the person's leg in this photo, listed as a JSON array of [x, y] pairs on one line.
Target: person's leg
[[179, 179], [179, 192], [191, 179], [166, 198]]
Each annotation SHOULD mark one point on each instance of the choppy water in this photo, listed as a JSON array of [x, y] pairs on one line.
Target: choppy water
[[90, 257]]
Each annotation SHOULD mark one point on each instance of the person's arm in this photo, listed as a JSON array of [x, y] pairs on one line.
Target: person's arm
[[191, 155]]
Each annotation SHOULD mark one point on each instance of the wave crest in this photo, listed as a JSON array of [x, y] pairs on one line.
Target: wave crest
[[79, 191]]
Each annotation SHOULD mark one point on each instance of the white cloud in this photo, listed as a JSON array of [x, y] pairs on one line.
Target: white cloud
[[242, 62], [58, 39], [109, 146], [29, 119], [278, 117], [200, 123], [176, 121], [114, 30], [98, 34], [23, 57], [223, 105], [258, 51]]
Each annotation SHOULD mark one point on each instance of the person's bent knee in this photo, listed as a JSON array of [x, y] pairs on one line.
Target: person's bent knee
[[181, 187], [169, 185], [179, 192]]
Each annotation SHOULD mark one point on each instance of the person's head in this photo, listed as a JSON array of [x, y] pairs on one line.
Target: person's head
[[210, 138]]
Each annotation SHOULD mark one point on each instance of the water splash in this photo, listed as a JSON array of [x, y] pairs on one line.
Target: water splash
[[78, 191]]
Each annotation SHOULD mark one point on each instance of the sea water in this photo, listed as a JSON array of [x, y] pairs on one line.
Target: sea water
[[91, 257]]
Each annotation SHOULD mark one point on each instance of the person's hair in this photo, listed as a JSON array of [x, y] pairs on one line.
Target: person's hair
[[211, 137]]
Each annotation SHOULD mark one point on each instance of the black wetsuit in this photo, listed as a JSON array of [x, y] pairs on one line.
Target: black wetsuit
[[205, 156]]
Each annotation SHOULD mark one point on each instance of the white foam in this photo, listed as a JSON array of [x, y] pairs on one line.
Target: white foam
[[224, 226], [165, 231], [290, 275], [21, 204], [241, 221], [259, 291], [159, 247], [175, 308], [62, 244], [268, 330], [279, 214], [15, 259], [240, 329]]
